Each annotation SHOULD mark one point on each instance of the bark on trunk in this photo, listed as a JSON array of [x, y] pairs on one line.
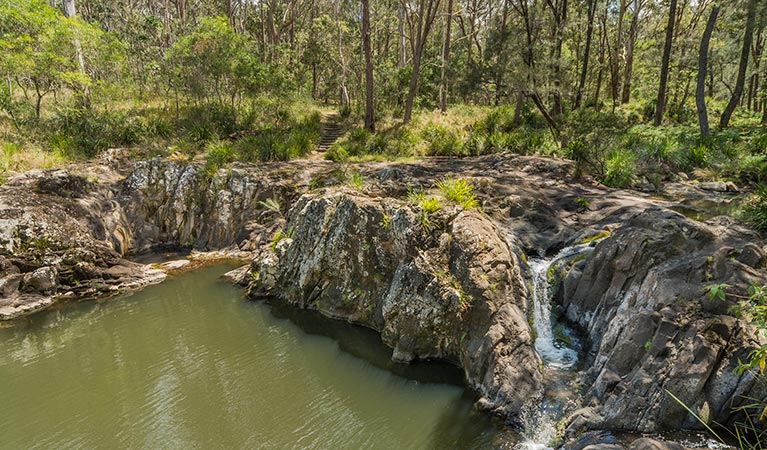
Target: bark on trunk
[[369, 105], [591, 8], [724, 122], [661, 101], [700, 88], [445, 57]]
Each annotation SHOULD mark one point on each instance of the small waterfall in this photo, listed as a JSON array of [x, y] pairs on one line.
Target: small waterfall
[[555, 353], [540, 420]]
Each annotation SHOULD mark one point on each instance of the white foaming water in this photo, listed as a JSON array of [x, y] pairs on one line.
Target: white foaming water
[[556, 354], [540, 421]]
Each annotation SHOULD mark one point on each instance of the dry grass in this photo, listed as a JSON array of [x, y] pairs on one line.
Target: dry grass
[[15, 159]]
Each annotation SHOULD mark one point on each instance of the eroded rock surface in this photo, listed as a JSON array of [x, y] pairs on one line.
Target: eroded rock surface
[[652, 327]]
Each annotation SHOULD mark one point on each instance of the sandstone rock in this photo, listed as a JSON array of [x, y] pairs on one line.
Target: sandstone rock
[[652, 444], [240, 275], [175, 265], [604, 447], [653, 329], [43, 280], [716, 186]]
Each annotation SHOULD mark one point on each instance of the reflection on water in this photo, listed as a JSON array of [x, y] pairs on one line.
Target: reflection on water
[[189, 364]]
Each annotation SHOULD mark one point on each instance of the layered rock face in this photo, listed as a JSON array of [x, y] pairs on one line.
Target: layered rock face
[[452, 291], [177, 203], [654, 330], [63, 236]]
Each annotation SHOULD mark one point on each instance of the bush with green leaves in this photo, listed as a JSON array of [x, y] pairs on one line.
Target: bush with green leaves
[[459, 190], [620, 169], [441, 140], [755, 208]]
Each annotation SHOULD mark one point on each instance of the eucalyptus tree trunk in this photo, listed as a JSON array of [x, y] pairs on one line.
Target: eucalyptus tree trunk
[[633, 31], [700, 88], [591, 8], [445, 57], [70, 10], [660, 104], [724, 122], [369, 105], [427, 12]]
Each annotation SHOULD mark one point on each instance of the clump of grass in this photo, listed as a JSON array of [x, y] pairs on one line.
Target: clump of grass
[[353, 179], [755, 208], [620, 169], [273, 205], [427, 205], [220, 153], [282, 233], [459, 190]]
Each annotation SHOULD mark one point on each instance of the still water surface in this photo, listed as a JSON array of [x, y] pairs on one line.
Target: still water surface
[[189, 364]]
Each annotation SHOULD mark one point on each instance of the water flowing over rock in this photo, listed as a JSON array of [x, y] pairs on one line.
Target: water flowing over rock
[[452, 292]]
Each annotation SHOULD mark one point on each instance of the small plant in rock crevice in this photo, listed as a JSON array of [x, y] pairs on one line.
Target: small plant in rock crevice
[[459, 190], [282, 233], [427, 205]]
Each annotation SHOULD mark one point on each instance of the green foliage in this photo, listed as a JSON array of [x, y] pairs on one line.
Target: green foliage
[[755, 208], [427, 205], [620, 169], [273, 205], [282, 233], [220, 153], [353, 178], [281, 144], [459, 190], [441, 140]]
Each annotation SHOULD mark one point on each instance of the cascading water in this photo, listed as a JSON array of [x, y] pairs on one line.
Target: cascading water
[[540, 420], [553, 351]]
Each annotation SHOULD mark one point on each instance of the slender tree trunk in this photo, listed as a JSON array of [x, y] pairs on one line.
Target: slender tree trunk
[[70, 11], [661, 102], [724, 122], [615, 54], [445, 57], [343, 92], [591, 8], [626, 94], [700, 88], [427, 12], [401, 59], [369, 105], [559, 11]]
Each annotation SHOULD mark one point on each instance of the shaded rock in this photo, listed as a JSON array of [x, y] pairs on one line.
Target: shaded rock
[[652, 444], [653, 329], [240, 275], [716, 186], [43, 280], [455, 295]]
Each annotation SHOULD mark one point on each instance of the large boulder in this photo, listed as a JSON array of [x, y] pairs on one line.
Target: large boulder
[[654, 331], [450, 290]]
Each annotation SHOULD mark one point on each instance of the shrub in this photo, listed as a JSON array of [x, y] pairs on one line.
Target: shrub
[[755, 208], [619, 169], [441, 140], [458, 190], [219, 154]]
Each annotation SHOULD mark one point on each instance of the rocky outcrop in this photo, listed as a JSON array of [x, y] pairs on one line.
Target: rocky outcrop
[[449, 289], [61, 236], [182, 204], [447, 285], [652, 328]]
